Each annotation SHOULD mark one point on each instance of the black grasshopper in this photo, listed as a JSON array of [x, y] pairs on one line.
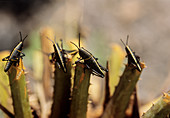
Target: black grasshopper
[[59, 55], [132, 58], [15, 54], [90, 61]]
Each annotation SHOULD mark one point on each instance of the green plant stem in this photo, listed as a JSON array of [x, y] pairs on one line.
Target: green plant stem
[[119, 101], [80, 92], [19, 93], [160, 109], [61, 104]]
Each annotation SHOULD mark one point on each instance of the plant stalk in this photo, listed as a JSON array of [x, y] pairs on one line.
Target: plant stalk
[[80, 91], [19, 91]]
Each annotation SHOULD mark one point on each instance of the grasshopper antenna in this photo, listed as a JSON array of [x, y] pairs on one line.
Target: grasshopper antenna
[[123, 43], [55, 40], [61, 43], [79, 39], [50, 40], [74, 44], [24, 38], [20, 35], [127, 39]]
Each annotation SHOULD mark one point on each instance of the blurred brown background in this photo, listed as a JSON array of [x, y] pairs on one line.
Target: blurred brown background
[[101, 23]]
